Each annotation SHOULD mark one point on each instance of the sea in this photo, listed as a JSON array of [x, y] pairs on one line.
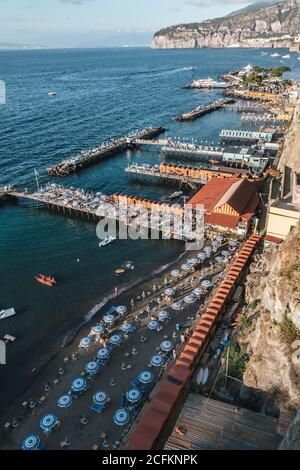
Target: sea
[[101, 94]]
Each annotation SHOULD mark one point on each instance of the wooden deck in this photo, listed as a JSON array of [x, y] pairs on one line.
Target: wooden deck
[[214, 425]]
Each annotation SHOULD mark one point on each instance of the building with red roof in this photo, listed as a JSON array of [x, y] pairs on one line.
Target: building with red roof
[[229, 203]]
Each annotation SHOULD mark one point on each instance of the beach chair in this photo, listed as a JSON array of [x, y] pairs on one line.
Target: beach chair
[[123, 401], [110, 346], [135, 382], [97, 408]]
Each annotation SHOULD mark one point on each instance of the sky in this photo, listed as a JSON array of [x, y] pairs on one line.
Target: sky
[[75, 23]]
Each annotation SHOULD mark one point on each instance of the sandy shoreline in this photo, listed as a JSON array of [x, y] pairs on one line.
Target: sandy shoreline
[[11, 438]]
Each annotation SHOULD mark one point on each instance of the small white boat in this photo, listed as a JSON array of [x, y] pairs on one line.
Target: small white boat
[[9, 312], [52, 93], [9, 339], [275, 55], [287, 56], [107, 241], [176, 194]]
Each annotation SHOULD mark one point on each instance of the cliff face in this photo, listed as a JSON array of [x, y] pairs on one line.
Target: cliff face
[[273, 26], [271, 328]]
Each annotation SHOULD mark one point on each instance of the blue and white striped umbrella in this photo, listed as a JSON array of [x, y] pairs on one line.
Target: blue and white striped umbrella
[[185, 267], [85, 342], [121, 309], [157, 360], [48, 422], [207, 249], [116, 339], [215, 243], [98, 330], [78, 385], [170, 291], [103, 353], [219, 239], [65, 401], [110, 318], [100, 398], [176, 306], [233, 243], [146, 377], [220, 259], [32, 442], [121, 417], [201, 255], [163, 315], [206, 283], [166, 346], [134, 395], [92, 368], [189, 299], [153, 325], [175, 273], [225, 253], [198, 291], [193, 261], [127, 327]]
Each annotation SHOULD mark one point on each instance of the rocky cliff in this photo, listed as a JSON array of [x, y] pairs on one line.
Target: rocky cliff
[[271, 326], [276, 25]]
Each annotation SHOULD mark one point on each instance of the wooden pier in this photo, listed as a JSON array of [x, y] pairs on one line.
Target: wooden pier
[[102, 152], [203, 110], [198, 152]]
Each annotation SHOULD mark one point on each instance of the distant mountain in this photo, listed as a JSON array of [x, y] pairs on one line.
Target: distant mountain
[[274, 25]]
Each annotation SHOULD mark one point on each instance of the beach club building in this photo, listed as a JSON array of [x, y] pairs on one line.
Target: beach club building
[[229, 204]]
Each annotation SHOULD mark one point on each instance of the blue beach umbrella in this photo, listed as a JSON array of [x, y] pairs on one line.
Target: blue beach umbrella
[[206, 283], [121, 309], [110, 318], [146, 377], [121, 417], [166, 346], [189, 299], [175, 273], [193, 261], [153, 325], [163, 315], [79, 385], [48, 422], [170, 291], [32, 442], [225, 253], [201, 255], [207, 249], [198, 291], [116, 339], [127, 327], [157, 360], [100, 398], [220, 259], [92, 368], [133, 395], [98, 330], [65, 401], [103, 353], [85, 342], [176, 306]]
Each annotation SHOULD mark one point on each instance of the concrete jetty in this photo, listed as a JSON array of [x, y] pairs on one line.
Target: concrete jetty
[[204, 109], [102, 152]]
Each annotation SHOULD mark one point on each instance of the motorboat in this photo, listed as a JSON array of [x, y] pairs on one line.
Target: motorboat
[[6, 313], [275, 55], [287, 56], [46, 280], [107, 241], [52, 93]]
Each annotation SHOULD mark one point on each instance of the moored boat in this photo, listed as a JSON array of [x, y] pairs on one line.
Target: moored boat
[[46, 280], [6, 313]]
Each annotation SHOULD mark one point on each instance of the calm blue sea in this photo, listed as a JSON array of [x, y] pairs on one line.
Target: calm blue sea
[[101, 94]]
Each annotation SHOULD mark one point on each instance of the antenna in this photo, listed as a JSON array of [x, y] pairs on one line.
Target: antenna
[[37, 179]]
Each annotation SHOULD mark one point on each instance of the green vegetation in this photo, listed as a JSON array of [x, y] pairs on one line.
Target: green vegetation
[[288, 331], [259, 73], [237, 360]]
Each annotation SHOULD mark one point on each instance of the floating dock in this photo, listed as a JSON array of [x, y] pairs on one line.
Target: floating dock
[[102, 152], [203, 110]]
